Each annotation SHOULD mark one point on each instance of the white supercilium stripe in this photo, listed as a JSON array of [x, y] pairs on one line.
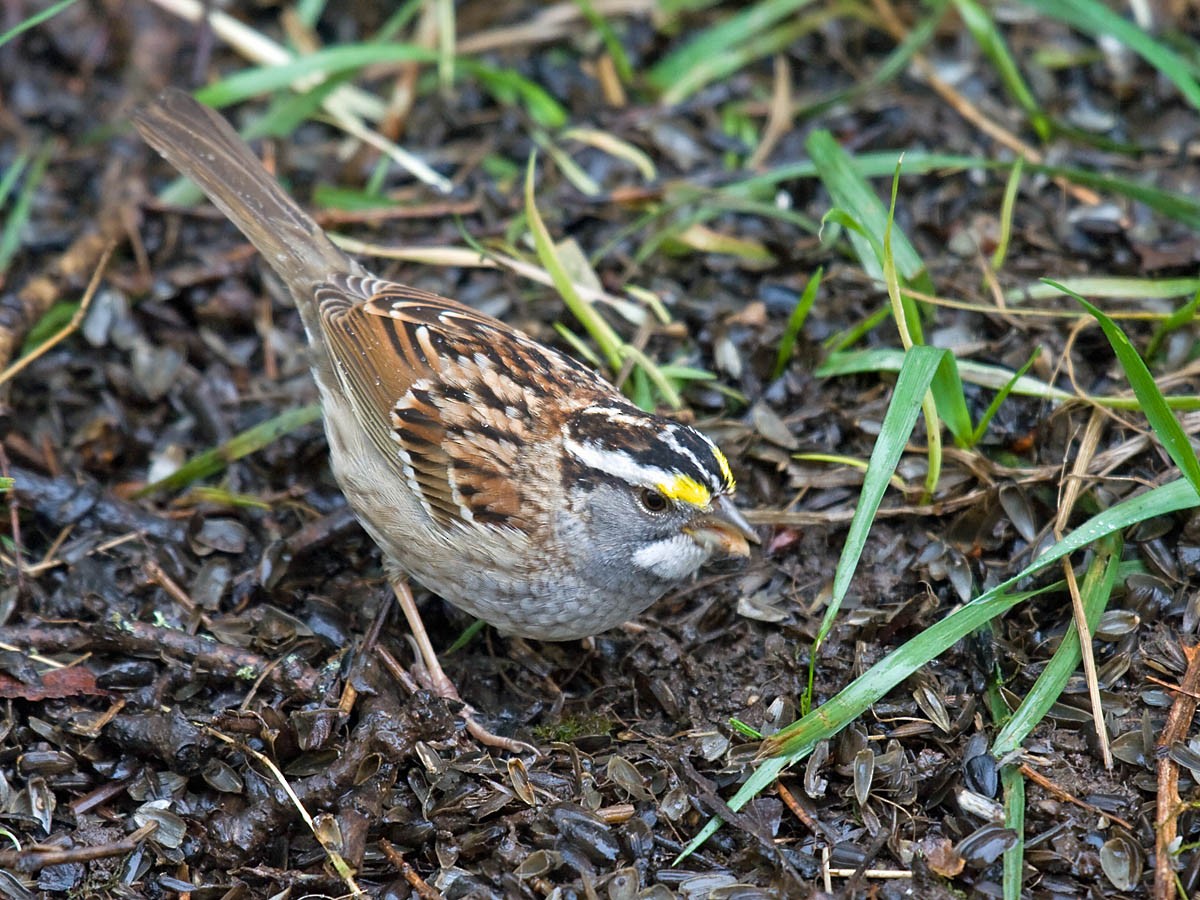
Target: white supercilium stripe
[[615, 463]]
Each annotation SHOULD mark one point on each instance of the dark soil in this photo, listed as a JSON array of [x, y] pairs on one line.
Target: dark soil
[[209, 630]]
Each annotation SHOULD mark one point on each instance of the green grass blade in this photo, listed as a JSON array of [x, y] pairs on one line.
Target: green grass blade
[[249, 441], [247, 83], [889, 359], [1006, 213], [1176, 320], [1001, 396], [797, 740], [951, 403], [1178, 206], [776, 40], [1158, 413], [35, 20], [839, 342], [1115, 286], [11, 176], [920, 365], [612, 43], [54, 320], [851, 192], [505, 85], [718, 40], [602, 333], [656, 377], [887, 72], [18, 216], [446, 28], [511, 87], [1097, 20], [854, 699], [983, 28], [787, 343], [1174, 205], [309, 11], [1095, 592], [1013, 783]]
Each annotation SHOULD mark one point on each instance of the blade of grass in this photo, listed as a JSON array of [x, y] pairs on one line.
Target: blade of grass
[[837, 343], [54, 320], [904, 310], [1158, 413], [1001, 396], [1174, 205], [609, 143], [34, 21], [920, 365], [1177, 206], [11, 175], [309, 11], [570, 170], [951, 403], [1096, 590], [446, 28], [850, 192], [889, 359], [838, 459], [853, 700], [249, 441], [787, 343], [1097, 20], [1116, 286], [1006, 214], [218, 496], [18, 215], [983, 28], [908, 324], [1176, 320], [602, 333], [512, 88], [1013, 784], [505, 84], [611, 43], [887, 72], [760, 46], [797, 740], [686, 373], [718, 39], [657, 378]]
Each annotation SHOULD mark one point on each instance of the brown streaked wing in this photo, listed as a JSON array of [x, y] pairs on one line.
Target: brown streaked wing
[[448, 404]]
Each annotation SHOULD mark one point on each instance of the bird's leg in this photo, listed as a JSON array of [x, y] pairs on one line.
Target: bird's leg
[[437, 680]]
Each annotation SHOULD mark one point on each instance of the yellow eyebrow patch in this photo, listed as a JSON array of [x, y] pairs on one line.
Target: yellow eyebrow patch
[[726, 472], [685, 490]]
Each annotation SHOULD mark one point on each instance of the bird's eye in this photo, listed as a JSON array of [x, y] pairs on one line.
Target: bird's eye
[[653, 500]]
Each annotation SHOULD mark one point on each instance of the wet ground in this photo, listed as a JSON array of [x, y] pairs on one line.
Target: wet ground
[[183, 670]]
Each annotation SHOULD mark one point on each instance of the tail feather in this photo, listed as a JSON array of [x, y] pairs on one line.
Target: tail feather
[[204, 147]]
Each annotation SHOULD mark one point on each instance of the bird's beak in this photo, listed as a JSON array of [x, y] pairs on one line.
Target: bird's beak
[[724, 530]]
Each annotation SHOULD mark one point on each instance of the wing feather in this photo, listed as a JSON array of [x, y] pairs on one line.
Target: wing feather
[[449, 412]]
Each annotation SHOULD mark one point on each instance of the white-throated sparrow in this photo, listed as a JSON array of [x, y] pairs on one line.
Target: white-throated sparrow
[[500, 474]]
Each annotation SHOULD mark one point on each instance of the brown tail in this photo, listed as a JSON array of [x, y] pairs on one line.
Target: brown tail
[[205, 148]]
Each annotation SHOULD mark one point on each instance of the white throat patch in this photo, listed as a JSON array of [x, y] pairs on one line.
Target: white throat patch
[[671, 558]]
